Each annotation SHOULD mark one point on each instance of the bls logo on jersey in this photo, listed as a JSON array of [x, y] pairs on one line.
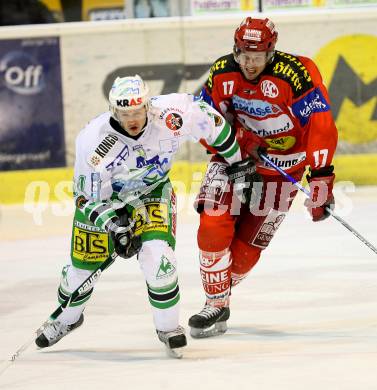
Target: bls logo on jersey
[[129, 102], [157, 219], [90, 246]]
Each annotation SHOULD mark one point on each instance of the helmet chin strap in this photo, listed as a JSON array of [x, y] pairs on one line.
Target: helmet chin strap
[[270, 56]]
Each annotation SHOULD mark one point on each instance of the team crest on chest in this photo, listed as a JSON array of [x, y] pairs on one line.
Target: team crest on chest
[[174, 121], [269, 89]]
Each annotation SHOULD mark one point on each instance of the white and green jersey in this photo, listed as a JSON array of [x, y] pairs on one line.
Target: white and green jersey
[[108, 161]]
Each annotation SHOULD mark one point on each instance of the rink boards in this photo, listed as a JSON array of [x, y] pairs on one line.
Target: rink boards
[[56, 184], [174, 55]]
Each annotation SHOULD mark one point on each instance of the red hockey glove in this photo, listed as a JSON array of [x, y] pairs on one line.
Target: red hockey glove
[[251, 144], [321, 183]]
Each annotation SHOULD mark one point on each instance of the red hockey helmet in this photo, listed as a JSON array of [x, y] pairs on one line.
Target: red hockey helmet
[[255, 35]]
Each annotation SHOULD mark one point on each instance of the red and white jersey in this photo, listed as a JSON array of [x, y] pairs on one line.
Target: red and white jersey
[[287, 105]]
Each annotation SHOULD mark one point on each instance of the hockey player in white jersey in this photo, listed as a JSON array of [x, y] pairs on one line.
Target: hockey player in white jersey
[[124, 199]]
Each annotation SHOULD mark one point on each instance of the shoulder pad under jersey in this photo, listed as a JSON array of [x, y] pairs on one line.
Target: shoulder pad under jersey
[[224, 64], [289, 68]]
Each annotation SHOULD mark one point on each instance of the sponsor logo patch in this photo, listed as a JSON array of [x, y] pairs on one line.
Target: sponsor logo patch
[[90, 246], [80, 201], [269, 89], [291, 69], [209, 259], [94, 160], [218, 120], [85, 226], [249, 91], [269, 126], [169, 109], [166, 268], [169, 145], [268, 229], [174, 121], [129, 102], [151, 217], [102, 149], [173, 214], [95, 188], [215, 282], [281, 143], [79, 185], [253, 35], [257, 108], [215, 67], [308, 105], [286, 161]]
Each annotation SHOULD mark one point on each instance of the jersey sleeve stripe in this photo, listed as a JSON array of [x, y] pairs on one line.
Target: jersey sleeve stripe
[[228, 142], [231, 151], [99, 213], [225, 132]]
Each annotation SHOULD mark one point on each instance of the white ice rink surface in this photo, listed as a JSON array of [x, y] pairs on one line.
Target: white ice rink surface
[[305, 318]]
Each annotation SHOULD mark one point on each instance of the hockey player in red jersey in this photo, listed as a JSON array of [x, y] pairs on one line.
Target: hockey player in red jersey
[[277, 104]]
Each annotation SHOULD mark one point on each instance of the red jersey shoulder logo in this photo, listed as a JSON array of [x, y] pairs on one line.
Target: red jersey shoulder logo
[[269, 89]]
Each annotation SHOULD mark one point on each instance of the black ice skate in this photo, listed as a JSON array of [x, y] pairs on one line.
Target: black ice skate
[[173, 340], [211, 321], [54, 331]]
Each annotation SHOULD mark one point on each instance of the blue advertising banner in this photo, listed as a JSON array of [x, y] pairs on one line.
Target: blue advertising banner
[[31, 107]]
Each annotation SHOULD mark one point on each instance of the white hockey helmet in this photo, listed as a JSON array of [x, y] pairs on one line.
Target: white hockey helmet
[[128, 93]]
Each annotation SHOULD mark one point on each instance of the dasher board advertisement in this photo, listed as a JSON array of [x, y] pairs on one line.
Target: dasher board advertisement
[[31, 109]]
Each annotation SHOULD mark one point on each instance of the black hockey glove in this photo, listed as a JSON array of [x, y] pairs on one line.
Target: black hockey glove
[[122, 233], [126, 245], [247, 182]]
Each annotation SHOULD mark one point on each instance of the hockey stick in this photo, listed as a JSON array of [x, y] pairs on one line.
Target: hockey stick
[[328, 209], [86, 285]]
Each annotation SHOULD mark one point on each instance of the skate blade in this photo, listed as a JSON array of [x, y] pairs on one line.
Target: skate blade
[[175, 353], [215, 330]]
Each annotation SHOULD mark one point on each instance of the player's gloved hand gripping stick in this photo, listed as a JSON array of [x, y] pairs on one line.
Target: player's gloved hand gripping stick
[[328, 208], [126, 246]]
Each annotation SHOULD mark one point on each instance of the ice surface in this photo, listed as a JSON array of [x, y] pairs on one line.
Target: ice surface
[[305, 318]]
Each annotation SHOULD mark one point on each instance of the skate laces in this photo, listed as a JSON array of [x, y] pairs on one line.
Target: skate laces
[[53, 330], [210, 311]]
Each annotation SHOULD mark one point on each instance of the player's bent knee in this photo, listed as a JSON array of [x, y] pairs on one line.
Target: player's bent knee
[[245, 256], [215, 233], [158, 263]]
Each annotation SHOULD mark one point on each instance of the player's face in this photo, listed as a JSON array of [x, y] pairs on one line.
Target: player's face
[[252, 63], [132, 121]]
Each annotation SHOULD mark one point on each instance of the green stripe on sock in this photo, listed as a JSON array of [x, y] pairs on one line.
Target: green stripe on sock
[[159, 290], [165, 305]]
